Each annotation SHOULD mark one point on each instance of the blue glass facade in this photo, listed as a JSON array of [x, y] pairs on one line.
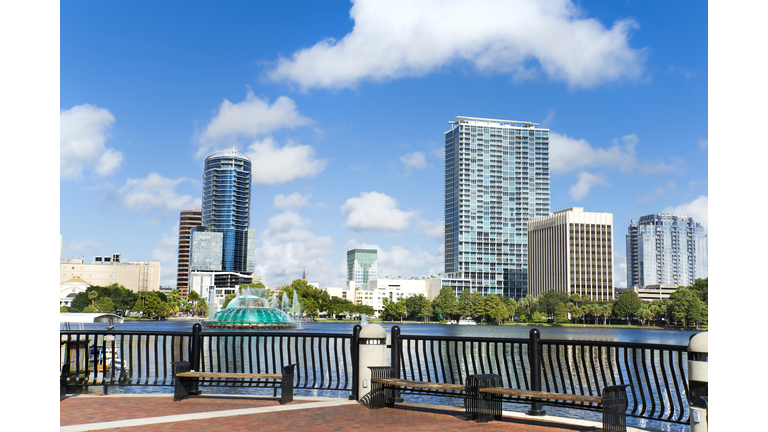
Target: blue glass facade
[[665, 249], [226, 210], [361, 266], [496, 179]]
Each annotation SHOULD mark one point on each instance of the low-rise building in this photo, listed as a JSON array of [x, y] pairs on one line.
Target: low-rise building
[[655, 292], [70, 289], [107, 270]]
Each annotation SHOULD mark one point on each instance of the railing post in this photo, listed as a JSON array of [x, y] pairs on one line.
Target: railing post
[[533, 361], [395, 360], [197, 347], [355, 360]]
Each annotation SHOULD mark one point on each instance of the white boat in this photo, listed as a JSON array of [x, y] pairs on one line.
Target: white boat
[[466, 322], [451, 322], [102, 359]]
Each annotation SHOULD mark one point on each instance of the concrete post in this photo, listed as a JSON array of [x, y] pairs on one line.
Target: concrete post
[[372, 351], [698, 381]]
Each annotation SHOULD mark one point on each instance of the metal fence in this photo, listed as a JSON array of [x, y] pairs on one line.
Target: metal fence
[[326, 361], [141, 358], [657, 373]]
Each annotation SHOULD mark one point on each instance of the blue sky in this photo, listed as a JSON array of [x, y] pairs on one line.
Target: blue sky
[[342, 107]]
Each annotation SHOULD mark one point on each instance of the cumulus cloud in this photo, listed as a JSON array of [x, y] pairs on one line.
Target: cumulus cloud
[[415, 160], [524, 39], [156, 191], [619, 270], [434, 229], [698, 209], [704, 144], [400, 261], [288, 247], [83, 133], [249, 119], [570, 154], [585, 182], [273, 164], [376, 212], [292, 201]]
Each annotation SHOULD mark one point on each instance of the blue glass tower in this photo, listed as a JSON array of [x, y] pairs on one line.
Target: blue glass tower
[[496, 179], [225, 236]]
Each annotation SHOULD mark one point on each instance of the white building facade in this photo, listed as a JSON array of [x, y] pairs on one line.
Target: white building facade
[[571, 251]]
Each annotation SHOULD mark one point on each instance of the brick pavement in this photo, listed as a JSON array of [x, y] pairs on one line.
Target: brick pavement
[[345, 418]]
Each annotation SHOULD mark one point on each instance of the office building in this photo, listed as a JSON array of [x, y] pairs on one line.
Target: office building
[[188, 219], [496, 179], [361, 266], [375, 291], [655, 292], [571, 251], [222, 248], [107, 270], [664, 249]]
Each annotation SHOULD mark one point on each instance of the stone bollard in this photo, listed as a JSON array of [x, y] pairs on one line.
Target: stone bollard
[[372, 351], [698, 381]]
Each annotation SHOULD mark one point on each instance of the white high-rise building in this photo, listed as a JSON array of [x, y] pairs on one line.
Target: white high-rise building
[[664, 249], [496, 179], [571, 251]]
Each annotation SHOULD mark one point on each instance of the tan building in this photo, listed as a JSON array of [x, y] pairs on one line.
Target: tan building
[[655, 292], [187, 220], [134, 275], [571, 251]]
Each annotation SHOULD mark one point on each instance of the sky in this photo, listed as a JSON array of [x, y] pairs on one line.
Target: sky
[[342, 108]]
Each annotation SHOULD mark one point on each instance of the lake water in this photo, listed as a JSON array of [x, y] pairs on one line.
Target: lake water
[[591, 333]]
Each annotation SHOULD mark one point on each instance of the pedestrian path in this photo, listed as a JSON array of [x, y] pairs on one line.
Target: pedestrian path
[[214, 413]]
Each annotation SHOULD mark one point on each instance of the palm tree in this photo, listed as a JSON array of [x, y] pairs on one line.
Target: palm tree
[[92, 296]]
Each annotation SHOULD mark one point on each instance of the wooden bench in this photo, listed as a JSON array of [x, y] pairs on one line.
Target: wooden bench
[[483, 396], [185, 379]]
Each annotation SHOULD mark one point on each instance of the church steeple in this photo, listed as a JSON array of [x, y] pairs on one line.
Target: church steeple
[[304, 276]]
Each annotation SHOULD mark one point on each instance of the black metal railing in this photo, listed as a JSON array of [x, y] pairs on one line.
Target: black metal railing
[[141, 358], [657, 373]]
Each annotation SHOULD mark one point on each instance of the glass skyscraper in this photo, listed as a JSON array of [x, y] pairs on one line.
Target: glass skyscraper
[[664, 249], [225, 242], [361, 266], [496, 179]]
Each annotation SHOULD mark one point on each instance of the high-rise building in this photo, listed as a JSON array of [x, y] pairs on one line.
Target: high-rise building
[[496, 179], [222, 249], [664, 249], [571, 251], [187, 220], [361, 266]]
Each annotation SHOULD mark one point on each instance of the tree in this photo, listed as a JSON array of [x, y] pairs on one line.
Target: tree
[[310, 307], [227, 299], [105, 305], [548, 301], [561, 314], [394, 309], [425, 312], [201, 308], [701, 289], [685, 305], [645, 313], [495, 309], [627, 305], [464, 304], [63, 309], [478, 305], [89, 309], [522, 313], [445, 302], [193, 296], [154, 305], [92, 296], [537, 317]]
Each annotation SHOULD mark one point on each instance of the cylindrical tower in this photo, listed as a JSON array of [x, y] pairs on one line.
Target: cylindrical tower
[[227, 203]]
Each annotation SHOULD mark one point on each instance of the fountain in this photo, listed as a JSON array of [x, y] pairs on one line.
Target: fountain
[[250, 310]]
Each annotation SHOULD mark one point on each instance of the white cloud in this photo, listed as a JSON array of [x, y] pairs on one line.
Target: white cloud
[[570, 154], [273, 164], [619, 270], [287, 248], [585, 182], [167, 252], [377, 212], [399, 261], [414, 160], [400, 38], [156, 191], [292, 201], [249, 119], [83, 134], [698, 209], [704, 144], [81, 246], [434, 229]]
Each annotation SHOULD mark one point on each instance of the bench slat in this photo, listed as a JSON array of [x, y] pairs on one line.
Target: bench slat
[[541, 394], [227, 375], [420, 384]]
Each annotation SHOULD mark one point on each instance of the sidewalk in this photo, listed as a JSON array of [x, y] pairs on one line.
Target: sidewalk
[[214, 413]]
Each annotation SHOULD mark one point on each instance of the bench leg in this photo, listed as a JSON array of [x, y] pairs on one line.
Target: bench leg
[[181, 385], [380, 394], [615, 408]]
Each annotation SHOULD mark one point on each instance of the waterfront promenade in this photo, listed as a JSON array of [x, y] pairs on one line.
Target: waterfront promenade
[[214, 413]]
